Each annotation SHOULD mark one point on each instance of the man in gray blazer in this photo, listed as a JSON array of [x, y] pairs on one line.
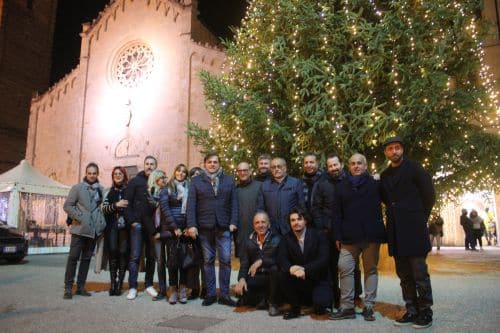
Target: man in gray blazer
[[87, 222]]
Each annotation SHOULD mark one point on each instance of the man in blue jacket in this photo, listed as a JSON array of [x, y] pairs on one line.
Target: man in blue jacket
[[409, 196], [212, 214], [279, 195]]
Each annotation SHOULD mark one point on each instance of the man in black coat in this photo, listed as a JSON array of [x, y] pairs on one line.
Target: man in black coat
[[466, 224], [409, 196], [323, 210], [248, 189], [303, 260], [139, 216], [310, 179]]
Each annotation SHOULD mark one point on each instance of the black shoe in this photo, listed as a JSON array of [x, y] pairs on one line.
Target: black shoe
[[226, 300], [195, 293], [273, 310], [407, 319], [292, 313], [343, 314], [112, 291], [319, 310], [262, 305], [83, 292], [209, 300], [423, 321], [159, 297], [67, 294], [118, 289], [368, 314], [203, 293]]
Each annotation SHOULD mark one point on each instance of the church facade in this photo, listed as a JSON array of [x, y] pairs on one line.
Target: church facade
[[133, 93]]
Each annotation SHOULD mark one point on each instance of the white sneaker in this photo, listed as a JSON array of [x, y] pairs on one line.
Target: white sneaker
[[132, 294], [151, 291]]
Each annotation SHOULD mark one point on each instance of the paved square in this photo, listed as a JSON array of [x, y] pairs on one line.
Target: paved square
[[192, 323]]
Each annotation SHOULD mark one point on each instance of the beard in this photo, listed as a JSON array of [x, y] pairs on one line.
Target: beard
[[397, 158]]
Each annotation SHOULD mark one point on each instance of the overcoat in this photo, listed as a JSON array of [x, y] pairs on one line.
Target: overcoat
[[409, 196]]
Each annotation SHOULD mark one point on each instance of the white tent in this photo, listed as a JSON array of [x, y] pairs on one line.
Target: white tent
[[26, 179]]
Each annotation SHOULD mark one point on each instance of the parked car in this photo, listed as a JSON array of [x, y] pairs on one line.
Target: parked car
[[13, 244]]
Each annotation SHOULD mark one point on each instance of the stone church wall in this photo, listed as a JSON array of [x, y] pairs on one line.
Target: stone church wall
[[123, 122]]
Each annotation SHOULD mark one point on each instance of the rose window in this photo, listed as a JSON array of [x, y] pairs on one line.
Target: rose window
[[133, 65]]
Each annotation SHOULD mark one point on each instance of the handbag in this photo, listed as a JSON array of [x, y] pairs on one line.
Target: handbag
[[191, 255]]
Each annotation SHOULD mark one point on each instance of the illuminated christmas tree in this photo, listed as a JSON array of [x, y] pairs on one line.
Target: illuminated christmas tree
[[321, 76]]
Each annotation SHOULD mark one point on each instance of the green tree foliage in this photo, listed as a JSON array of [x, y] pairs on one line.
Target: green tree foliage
[[329, 75]]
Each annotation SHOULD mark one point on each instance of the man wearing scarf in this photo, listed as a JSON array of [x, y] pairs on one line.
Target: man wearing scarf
[[409, 196], [87, 222], [359, 230], [212, 214]]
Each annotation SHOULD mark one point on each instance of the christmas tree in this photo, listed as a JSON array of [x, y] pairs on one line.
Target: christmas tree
[[322, 76]]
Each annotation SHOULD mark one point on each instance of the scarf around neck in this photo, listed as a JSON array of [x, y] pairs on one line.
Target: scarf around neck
[[214, 179], [357, 181], [182, 194], [96, 187]]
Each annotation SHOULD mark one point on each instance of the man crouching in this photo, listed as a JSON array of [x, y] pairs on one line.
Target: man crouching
[[303, 257], [258, 276]]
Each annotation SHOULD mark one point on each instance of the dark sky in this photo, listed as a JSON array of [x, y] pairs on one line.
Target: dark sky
[[217, 15]]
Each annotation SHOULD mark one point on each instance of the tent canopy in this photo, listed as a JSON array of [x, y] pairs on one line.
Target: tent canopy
[[25, 178]]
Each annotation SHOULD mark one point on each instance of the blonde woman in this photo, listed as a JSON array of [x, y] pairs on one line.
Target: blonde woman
[[157, 181]]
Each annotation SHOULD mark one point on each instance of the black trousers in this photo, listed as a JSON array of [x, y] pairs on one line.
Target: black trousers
[[176, 275], [264, 285], [80, 249], [299, 292], [117, 243], [415, 283]]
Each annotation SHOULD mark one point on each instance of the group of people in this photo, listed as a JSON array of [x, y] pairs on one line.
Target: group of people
[[298, 240], [475, 228]]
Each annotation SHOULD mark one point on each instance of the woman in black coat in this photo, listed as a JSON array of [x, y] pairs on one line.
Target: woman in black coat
[[116, 232]]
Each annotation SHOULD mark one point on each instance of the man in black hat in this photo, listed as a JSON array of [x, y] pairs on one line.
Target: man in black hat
[[409, 196]]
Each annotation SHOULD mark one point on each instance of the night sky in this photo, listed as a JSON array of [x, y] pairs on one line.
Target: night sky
[[217, 15]]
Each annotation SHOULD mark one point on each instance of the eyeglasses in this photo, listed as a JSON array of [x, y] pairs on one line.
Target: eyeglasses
[[242, 170], [277, 166]]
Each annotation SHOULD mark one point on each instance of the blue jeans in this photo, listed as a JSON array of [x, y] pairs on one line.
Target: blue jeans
[[220, 240], [161, 265], [136, 240]]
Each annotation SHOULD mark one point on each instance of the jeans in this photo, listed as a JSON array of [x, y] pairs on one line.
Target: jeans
[[81, 248], [415, 283], [220, 240], [136, 240], [161, 265], [349, 256]]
